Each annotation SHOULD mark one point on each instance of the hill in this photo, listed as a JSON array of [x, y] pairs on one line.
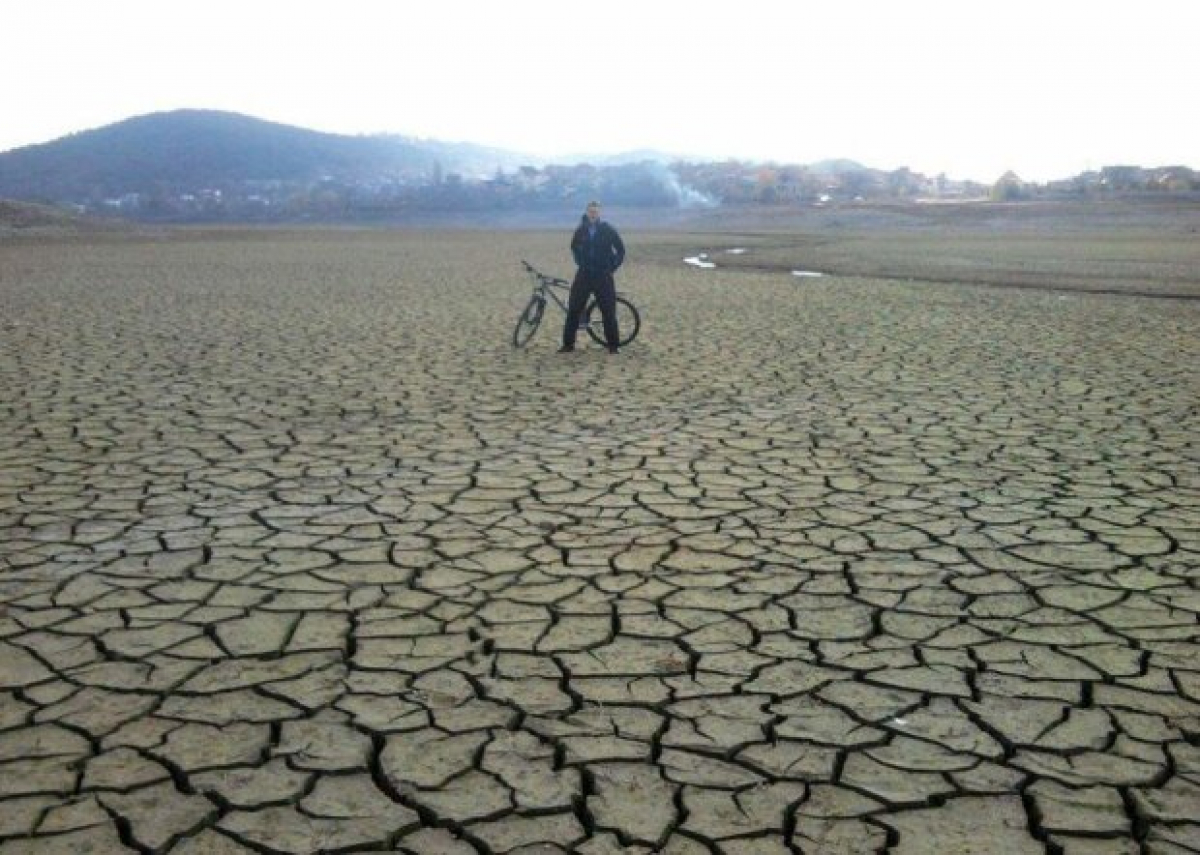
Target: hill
[[210, 166], [190, 150]]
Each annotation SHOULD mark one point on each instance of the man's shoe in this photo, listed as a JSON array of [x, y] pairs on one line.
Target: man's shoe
[[566, 349], [613, 350]]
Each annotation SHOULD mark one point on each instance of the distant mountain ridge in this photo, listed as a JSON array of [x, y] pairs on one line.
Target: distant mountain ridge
[[185, 150], [191, 150], [213, 166]]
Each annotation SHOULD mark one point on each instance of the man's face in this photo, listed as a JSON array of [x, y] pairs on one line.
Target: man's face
[[593, 213]]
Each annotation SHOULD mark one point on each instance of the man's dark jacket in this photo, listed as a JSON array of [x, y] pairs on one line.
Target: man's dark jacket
[[603, 253]]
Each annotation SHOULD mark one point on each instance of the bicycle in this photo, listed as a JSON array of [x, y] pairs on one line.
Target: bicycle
[[548, 288]]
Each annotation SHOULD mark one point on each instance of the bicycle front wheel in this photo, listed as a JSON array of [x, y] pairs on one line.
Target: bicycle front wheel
[[528, 323], [628, 321]]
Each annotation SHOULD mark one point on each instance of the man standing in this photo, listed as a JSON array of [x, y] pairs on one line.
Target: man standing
[[598, 252]]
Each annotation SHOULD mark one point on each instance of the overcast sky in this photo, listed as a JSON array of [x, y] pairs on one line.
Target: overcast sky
[[972, 89]]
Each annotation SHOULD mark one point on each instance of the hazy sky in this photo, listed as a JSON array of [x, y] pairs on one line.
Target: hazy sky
[[972, 88]]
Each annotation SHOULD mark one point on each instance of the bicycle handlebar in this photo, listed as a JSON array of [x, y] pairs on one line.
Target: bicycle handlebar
[[542, 277]]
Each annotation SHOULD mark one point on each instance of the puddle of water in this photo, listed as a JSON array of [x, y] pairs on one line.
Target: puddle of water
[[806, 273], [700, 260], [737, 250]]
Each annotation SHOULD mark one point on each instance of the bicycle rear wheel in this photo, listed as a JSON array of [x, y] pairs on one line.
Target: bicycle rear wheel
[[528, 323], [628, 321]]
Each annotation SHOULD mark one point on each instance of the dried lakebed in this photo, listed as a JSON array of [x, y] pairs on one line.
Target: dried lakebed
[[300, 556]]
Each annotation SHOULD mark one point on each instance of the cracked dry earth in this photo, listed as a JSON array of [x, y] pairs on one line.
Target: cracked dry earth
[[299, 555]]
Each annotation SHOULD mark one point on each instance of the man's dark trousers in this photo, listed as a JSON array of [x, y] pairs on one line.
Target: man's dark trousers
[[587, 283]]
